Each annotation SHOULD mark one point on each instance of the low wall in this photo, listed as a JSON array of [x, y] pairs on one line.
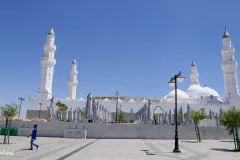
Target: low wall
[[127, 131]]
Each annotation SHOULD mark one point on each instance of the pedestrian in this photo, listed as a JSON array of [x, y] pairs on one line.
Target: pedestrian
[[33, 137]]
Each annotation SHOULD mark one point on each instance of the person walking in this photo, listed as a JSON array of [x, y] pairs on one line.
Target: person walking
[[33, 137]]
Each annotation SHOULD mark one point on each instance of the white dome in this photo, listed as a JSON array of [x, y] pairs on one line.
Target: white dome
[[131, 100], [180, 94], [81, 99], [209, 91], [120, 101], [144, 101], [105, 100], [195, 91]]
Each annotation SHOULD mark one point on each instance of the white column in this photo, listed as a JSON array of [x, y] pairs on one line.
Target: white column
[[73, 81], [229, 67], [47, 67]]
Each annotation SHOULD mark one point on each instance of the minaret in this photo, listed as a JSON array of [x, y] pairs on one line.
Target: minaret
[[47, 67], [194, 74], [72, 81], [229, 67]]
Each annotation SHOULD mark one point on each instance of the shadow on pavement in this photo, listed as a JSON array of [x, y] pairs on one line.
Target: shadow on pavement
[[223, 150], [227, 141], [190, 141]]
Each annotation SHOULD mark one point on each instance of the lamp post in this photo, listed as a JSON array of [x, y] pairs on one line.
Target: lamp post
[[40, 104], [117, 96], [21, 100], [173, 83]]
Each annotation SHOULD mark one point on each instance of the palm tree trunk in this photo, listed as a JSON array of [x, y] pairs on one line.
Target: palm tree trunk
[[5, 135]]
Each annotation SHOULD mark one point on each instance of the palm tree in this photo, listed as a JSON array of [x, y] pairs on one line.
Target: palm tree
[[9, 111]]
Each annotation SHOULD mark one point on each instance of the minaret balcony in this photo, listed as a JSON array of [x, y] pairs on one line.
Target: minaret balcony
[[47, 61], [230, 50]]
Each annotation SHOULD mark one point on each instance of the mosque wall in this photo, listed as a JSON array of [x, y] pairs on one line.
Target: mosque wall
[[127, 131]]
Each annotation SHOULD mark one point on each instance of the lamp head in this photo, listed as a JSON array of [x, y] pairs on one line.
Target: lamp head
[[180, 77], [171, 83]]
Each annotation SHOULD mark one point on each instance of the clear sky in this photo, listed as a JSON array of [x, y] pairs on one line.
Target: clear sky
[[133, 46]]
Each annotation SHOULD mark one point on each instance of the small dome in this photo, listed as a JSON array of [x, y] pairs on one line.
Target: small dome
[[195, 91], [119, 100], [106, 100], [144, 101], [81, 99], [209, 91], [131, 101], [180, 94]]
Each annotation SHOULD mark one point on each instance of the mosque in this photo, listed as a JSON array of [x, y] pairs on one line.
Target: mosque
[[196, 96]]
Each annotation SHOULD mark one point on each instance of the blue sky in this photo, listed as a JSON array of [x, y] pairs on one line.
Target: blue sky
[[131, 46]]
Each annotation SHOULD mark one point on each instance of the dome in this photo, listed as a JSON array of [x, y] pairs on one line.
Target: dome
[[106, 100], [209, 91], [131, 100], [144, 101], [180, 94], [81, 99], [195, 91]]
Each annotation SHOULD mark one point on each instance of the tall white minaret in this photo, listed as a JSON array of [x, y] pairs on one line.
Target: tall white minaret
[[47, 67], [73, 81], [194, 74], [229, 67]]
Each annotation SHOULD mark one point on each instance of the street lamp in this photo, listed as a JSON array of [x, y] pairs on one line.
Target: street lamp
[[117, 96], [40, 104], [21, 99], [173, 83]]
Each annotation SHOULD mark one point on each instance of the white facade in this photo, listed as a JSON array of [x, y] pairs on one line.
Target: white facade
[[196, 96], [47, 67]]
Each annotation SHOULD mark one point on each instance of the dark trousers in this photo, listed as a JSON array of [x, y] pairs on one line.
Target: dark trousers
[[32, 140]]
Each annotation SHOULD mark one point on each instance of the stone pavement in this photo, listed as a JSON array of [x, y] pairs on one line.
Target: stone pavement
[[117, 149]]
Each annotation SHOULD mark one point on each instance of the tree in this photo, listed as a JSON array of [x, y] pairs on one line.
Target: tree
[[155, 118], [231, 121], [9, 111], [82, 113], [121, 116], [179, 116], [62, 108], [197, 116]]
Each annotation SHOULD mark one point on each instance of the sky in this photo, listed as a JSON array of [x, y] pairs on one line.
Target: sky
[[133, 46]]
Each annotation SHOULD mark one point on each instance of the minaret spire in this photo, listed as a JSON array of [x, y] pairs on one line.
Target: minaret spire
[[73, 81], [47, 67], [226, 34], [194, 74]]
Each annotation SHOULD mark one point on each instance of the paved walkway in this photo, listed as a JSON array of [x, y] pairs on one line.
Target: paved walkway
[[116, 149]]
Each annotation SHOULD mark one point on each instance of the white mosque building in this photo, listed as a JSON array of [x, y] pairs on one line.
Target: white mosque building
[[196, 96]]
